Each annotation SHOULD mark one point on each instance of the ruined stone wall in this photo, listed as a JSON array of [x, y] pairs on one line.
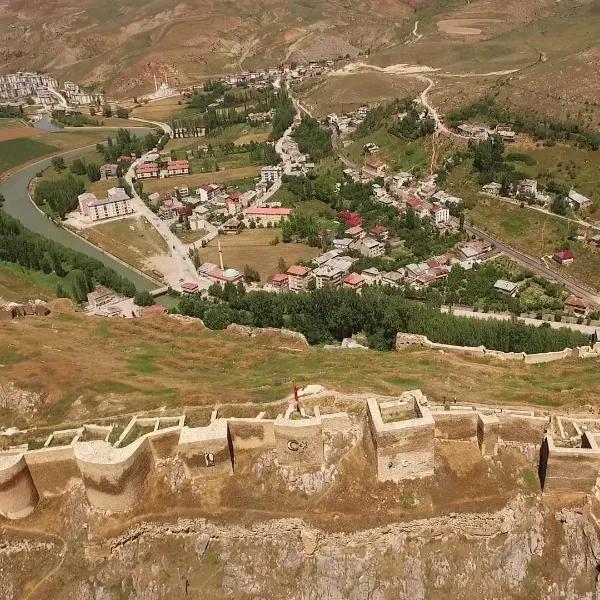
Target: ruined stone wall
[[18, 495], [410, 339], [455, 424], [114, 478], [206, 451], [163, 443], [521, 428], [53, 470], [568, 469], [249, 434], [406, 453], [299, 443], [488, 430]]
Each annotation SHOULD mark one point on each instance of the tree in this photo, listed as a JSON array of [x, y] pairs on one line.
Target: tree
[[122, 113], [559, 205], [143, 298], [281, 266], [106, 111], [251, 274], [58, 163], [93, 172]]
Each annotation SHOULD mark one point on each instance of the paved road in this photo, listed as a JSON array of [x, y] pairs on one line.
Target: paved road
[[537, 266]]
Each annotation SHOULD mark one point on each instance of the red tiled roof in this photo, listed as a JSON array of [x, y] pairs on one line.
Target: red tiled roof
[[280, 277], [178, 164], [189, 286], [266, 211], [297, 270], [564, 255], [353, 279], [378, 229], [577, 302], [146, 168]]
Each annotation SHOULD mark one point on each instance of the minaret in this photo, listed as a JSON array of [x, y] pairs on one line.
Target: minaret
[[155, 84], [220, 255]]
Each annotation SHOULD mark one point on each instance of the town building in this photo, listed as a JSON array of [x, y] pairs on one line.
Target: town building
[[564, 257], [207, 193], [221, 276], [298, 278], [101, 296], [475, 250], [380, 232], [267, 215], [371, 276], [343, 243], [374, 167], [492, 188], [527, 187], [506, 287], [328, 275], [392, 279], [280, 281], [577, 306], [356, 232], [577, 200], [371, 248], [108, 170], [271, 174], [147, 170], [189, 287], [232, 226], [117, 204], [14, 86], [473, 132], [178, 167], [354, 282], [439, 214]]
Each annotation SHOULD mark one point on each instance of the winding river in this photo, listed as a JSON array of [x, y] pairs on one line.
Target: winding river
[[17, 204]]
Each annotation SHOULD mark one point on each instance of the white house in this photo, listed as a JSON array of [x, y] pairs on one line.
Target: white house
[[577, 200], [271, 174], [118, 204], [371, 248]]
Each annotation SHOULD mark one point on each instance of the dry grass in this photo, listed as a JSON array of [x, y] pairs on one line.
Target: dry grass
[[253, 247], [18, 131], [345, 93], [135, 365], [198, 179], [133, 240], [160, 109]]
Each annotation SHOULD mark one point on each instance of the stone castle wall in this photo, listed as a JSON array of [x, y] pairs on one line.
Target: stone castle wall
[[411, 339], [18, 494]]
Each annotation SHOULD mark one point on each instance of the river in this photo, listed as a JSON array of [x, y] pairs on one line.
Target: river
[[17, 204]]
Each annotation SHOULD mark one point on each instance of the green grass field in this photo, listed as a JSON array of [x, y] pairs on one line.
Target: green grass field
[[15, 152], [18, 284]]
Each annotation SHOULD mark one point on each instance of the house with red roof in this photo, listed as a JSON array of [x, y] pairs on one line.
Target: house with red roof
[[576, 306], [265, 215], [564, 257], [189, 287], [381, 232], [356, 232], [352, 219], [147, 170], [178, 167], [354, 282], [298, 278], [280, 281]]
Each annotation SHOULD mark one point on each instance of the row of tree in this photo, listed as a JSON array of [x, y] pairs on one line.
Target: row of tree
[[126, 144], [331, 314], [33, 251], [59, 194]]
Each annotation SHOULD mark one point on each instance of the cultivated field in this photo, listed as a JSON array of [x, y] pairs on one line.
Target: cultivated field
[[15, 152], [133, 240], [159, 110], [253, 247]]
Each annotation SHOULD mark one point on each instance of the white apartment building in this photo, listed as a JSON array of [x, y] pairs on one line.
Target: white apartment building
[[439, 214], [371, 248], [328, 275], [21, 85], [118, 204], [271, 174]]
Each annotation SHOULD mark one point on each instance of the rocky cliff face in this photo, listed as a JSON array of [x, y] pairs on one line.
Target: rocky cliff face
[[524, 550]]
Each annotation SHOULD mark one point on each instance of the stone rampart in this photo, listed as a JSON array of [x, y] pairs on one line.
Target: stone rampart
[[18, 494], [458, 424], [299, 442], [488, 430], [206, 451], [569, 469], [114, 478], [405, 447], [411, 339], [523, 429], [53, 470], [251, 433]]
